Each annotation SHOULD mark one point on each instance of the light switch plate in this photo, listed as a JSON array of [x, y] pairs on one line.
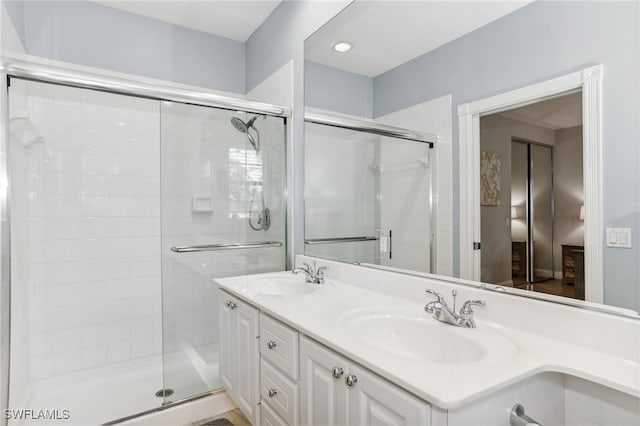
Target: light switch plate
[[619, 237]]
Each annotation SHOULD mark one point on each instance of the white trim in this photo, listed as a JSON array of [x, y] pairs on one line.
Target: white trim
[[77, 76], [186, 413], [589, 80]]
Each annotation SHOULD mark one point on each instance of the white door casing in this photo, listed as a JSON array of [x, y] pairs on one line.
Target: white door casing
[[589, 80]]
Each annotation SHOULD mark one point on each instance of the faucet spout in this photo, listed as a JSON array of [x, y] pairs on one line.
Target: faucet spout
[[443, 313], [312, 274]]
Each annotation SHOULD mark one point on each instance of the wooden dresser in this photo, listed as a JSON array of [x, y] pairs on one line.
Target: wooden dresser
[[569, 263], [519, 259]]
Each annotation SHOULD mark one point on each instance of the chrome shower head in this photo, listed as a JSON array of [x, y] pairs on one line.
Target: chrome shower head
[[243, 127]]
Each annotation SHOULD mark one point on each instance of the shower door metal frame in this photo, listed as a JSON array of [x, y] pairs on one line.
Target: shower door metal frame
[[5, 249], [31, 71], [121, 86]]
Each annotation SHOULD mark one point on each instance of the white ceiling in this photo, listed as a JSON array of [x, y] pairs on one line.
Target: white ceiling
[[388, 33], [554, 114], [236, 19]]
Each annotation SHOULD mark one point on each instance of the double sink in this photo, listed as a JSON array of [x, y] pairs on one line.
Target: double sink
[[399, 330]]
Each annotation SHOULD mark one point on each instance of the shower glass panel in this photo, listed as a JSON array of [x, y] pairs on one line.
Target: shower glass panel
[[105, 314], [85, 261], [223, 182], [340, 190], [367, 198], [541, 212]]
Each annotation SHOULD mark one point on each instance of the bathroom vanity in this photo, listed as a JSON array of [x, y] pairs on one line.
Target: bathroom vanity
[[360, 349]]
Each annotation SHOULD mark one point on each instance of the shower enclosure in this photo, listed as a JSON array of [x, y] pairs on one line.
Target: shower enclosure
[[123, 210], [368, 196]]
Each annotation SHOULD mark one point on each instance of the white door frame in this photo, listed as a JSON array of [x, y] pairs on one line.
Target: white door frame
[[589, 80]]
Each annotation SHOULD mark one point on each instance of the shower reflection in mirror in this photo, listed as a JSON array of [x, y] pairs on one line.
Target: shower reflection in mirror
[[368, 198]]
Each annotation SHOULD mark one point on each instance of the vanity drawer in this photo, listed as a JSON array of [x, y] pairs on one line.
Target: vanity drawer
[[268, 417], [279, 392], [279, 345]]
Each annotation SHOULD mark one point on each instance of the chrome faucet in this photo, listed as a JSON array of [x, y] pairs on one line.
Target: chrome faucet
[[313, 275], [443, 313]]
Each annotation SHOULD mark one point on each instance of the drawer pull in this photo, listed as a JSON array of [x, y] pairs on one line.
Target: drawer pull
[[337, 372], [271, 344], [350, 379], [272, 392], [231, 305]]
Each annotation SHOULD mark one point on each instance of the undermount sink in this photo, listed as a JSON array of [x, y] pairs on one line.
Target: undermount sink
[[421, 337], [281, 285]]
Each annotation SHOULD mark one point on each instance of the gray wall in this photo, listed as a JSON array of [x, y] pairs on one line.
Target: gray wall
[[336, 90], [541, 41], [90, 34], [15, 9], [568, 191]]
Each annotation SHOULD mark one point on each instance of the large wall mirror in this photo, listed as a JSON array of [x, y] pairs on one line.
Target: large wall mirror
[[381, 200]]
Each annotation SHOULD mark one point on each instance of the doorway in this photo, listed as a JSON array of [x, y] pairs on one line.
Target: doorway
[[531, 198], [589, 80]]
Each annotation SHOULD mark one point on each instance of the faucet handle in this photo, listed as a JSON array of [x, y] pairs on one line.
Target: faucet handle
[[436, 294], [320, 271], [429, 307], [466, 307], [308, 267]]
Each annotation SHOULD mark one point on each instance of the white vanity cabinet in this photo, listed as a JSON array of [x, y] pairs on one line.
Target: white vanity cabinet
[[277, 376], [239, 354], [278, 373], [335, 391]]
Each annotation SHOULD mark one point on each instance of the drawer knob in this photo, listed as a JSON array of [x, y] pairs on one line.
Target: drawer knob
[[272, 392], [337, 372], [271, 344], [350, 379], [231, 305]]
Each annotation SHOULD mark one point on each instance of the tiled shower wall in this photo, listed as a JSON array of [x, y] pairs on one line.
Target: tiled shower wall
[[86, 228]]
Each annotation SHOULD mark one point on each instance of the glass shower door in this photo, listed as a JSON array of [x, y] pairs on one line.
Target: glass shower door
[[223, 182]]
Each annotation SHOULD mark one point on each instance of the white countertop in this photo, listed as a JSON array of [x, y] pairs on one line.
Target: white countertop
[[510, 354]]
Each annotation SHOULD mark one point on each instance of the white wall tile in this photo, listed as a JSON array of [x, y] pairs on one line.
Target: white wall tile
[[118, 351]]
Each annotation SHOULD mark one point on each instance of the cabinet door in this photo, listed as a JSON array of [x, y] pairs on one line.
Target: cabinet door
[[246, 357], [373, 401], [324, 399], [227, 345]]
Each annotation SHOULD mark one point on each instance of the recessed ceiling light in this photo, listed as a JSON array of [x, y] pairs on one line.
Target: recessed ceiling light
[[342, 46]]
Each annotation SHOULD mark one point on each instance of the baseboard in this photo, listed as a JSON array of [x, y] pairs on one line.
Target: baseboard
[[543, 272]]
